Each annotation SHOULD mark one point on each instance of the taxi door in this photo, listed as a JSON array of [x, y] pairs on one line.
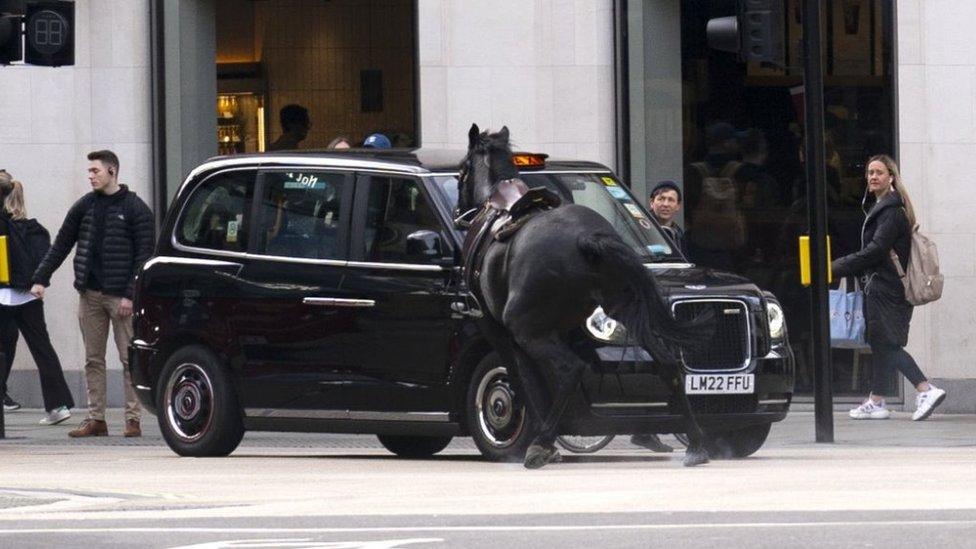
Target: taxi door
[[401, 263]]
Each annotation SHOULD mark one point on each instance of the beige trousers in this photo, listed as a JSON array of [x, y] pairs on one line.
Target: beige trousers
[[95, 312]]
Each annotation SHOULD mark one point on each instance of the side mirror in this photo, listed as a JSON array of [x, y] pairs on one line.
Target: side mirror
[[424, 243]]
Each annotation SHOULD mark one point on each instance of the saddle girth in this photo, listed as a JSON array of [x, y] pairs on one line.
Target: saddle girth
[[494, 224]]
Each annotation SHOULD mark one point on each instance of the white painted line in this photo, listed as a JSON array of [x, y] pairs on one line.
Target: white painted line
[[514, 528], [65, 501]]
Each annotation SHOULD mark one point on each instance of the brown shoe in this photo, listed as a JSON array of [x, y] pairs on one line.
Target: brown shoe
[[89, 428], [132, 428]]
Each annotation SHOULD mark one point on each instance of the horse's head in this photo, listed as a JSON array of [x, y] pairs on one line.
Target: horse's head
[[489, 160]]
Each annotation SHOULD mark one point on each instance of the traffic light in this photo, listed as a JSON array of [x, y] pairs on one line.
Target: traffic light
[[755, 32], [50, 32], [11, 48]]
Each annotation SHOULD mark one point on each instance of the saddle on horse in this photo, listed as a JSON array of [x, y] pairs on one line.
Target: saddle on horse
[[511, 205]]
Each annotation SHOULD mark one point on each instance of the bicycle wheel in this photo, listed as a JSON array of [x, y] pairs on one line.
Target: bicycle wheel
[[583, 445]]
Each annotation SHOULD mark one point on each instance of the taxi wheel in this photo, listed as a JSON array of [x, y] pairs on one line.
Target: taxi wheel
[[738, 443], [497, 420], [199, 415], [414, 446]]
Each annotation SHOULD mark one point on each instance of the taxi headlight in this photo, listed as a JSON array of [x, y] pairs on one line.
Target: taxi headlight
[[603, 328], [777, 320]]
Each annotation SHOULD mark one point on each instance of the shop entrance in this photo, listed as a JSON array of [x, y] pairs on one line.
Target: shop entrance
[[348, 67], [743, 122]]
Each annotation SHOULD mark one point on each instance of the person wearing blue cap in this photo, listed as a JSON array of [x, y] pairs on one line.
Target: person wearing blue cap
[[377, 141]]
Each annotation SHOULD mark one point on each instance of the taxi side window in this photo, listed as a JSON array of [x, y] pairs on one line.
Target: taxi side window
[[217, 215], [396, 209], [300, 214]]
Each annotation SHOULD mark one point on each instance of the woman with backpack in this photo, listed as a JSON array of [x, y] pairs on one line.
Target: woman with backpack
[[27, 242], [887, 313]]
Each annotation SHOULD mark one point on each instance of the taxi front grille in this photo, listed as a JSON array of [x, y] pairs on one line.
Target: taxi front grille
[[728, 348]]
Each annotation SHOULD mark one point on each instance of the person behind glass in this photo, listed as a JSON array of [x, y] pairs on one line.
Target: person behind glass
[[887, 228], [27, 242], [665, 204], [113, 230], [340, 142], [295, 124]]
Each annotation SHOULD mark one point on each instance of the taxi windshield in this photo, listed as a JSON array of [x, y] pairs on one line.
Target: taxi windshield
[[602, 193]]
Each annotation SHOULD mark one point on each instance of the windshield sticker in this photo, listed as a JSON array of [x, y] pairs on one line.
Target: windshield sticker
[[644, 223], [659, 249], [618, 193], [608, 181], [303, 181], [232, 231], [634, 210]]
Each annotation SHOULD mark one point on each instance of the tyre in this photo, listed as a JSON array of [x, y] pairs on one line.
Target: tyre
[[497, 420], [199, 414], [414, 447], [584, 445], [738, 443]]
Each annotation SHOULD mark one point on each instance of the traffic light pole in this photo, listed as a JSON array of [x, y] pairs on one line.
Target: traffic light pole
[[823, 404]]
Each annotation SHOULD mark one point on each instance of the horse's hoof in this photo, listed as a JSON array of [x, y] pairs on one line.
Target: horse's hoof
[[652, 443], [695, 457], [537, 456]]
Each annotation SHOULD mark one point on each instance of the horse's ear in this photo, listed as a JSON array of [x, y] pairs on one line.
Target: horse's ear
[[473, 135], [503, 134]]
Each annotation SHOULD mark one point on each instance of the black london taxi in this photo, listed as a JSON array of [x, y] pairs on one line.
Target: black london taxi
[[321, 292]]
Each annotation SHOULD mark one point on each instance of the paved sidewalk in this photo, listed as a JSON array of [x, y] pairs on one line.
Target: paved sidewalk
[[940, 430]]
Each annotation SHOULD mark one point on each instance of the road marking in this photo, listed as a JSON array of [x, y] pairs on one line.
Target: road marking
[[514, 528], [307, 543], [66, 501]]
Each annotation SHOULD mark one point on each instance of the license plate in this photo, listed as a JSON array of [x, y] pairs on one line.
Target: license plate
[[720, 384]]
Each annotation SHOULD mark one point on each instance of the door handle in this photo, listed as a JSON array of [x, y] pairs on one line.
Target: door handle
[[338, 302]]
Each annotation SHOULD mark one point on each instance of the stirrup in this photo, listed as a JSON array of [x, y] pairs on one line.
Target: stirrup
[[464, 308]]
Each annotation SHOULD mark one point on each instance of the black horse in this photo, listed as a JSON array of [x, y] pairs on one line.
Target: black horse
[[545, 280]]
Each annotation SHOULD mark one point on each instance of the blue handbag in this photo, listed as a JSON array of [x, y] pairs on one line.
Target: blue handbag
[[847, 317]]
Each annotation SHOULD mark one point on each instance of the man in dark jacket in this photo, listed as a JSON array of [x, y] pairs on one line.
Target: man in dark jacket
[[665, 203], [113, 229]]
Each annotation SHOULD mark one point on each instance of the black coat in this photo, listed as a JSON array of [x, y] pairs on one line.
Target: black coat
[[886, 311], [27, 243], [127, 244], [677, 234]]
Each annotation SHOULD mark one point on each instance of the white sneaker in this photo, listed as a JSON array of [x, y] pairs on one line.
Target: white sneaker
[[926, 402], [870, 410], [56, 416]]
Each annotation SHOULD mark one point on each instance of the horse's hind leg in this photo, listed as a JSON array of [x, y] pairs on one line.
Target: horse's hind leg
[[527, 387], [567, 370]]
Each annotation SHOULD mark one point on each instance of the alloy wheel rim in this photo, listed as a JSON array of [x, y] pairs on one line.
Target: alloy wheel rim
[[189, 402], [500, 417]]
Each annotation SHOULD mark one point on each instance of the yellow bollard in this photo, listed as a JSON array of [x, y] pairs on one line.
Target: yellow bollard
[[805, 278]]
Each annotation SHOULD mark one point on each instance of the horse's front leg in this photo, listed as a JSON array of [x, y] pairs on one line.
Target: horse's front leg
[[527, 389]]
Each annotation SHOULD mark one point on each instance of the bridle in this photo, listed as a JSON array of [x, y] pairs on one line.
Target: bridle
[[464, 220]]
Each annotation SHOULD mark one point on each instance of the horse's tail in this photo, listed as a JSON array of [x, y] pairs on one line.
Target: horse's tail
[[633, 296]]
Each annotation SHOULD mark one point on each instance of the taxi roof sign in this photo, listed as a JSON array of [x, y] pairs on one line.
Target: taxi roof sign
[[529, 160]]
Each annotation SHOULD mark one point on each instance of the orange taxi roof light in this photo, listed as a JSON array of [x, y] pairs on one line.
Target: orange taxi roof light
[[529, 160]]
